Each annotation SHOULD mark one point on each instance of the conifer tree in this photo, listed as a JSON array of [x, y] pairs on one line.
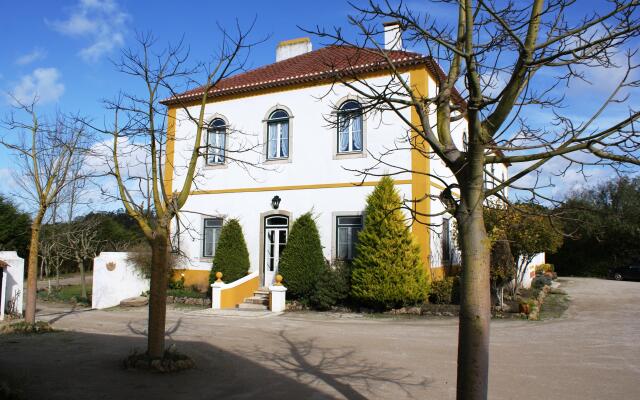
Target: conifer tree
[[232, 256], [302, 260], [387, 271]]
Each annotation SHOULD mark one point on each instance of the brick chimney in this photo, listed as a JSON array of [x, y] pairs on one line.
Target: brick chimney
[[292, 48]]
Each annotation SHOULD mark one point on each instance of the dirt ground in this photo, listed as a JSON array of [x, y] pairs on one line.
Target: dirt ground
[[592, 352]]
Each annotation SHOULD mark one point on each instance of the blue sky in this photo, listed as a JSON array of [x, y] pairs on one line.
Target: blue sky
[[62, 48]]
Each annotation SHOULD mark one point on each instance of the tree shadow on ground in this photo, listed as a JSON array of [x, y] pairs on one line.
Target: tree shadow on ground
[[75, 365], [58, 315], [341, 369]]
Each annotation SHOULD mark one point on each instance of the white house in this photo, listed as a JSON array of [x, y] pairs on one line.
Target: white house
[[286, 133]]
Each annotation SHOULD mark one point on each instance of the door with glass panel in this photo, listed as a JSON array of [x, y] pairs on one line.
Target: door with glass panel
[[276, 230]]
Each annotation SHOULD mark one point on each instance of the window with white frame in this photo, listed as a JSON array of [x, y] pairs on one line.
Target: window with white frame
[[216, 138], [347, 229], [278, 135], [350, 138], [210, 236]]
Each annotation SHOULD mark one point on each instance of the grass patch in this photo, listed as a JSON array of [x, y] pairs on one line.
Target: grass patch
[[66, 294], [26, 328], [554, 306], [171, 361]]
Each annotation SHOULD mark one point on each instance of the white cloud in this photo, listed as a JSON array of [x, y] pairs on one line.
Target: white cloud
[[101, 21], [35, 55], [43, 84]]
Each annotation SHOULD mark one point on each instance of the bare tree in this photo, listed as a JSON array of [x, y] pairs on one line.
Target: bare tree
[[45, 154], [143, 131], [53, 250], [82, 243], [505, 60]]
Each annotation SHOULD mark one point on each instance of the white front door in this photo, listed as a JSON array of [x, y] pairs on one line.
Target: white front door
[[275, 239]]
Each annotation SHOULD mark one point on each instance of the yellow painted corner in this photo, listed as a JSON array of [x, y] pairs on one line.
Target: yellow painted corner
[[169, 150], [420, 168]]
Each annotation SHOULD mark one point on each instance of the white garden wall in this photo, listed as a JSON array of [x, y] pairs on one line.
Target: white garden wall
[[13, 280], [531, 270], [115, 279]]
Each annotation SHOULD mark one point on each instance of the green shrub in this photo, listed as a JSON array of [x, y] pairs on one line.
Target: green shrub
[[441, 292], [387, 272], [177, 283], [302, 261], [332, 286], [232, 256], [190, 292], [542, 268], [540, 281]]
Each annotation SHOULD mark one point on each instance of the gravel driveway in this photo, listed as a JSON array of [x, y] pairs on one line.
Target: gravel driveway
[[593, 352]]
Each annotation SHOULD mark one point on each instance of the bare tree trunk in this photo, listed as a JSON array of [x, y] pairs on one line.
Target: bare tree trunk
[[158, 294], [32, 269], [83, 283], [475, 301]]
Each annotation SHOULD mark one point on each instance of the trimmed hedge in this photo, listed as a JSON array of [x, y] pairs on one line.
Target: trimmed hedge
[[332, 286], [232, 256], [387, 271], [302, 261]]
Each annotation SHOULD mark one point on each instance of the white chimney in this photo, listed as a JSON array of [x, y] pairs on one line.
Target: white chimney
[[392, 36], [292, 48]]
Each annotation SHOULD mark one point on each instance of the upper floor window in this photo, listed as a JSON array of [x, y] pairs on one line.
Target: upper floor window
[[216, 137], [348, 228], [350, 127], [210, 236], [278, 135]]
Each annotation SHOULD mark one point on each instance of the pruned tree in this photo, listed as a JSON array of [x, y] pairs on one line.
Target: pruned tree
[[46, 152], [530, 230], [143, 130], [82, 242], [53, 251], [506, 61]]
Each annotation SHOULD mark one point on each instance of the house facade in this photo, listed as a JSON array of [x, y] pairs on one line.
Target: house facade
[[285, 139]]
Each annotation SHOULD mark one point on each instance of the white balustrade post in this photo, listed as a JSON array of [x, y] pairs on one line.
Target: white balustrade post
[[216, 292], [277, 296]]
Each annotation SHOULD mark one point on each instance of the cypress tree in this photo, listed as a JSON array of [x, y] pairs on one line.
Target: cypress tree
[[232, 256], [302, 260], [387, 271]]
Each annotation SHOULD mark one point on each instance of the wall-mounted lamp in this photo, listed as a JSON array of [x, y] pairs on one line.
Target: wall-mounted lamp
[[275, 202]]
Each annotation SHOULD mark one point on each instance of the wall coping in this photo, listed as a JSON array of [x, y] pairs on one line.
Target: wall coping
[[236, 282]]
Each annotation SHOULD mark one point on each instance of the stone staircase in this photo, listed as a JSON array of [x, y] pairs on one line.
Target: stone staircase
[[259, 301]]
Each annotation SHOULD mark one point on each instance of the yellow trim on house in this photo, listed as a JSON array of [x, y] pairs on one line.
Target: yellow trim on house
[[297, 187], [420, 181], [169, 150], [231, 297], [294, 41]]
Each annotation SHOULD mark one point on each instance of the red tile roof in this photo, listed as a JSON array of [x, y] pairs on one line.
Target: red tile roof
[[329, 62]]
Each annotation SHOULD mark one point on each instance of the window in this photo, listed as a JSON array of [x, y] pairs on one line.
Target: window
[[210, 235], [446, 241], [216, 136], [347, 236], [278, 135], [350, 127]]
